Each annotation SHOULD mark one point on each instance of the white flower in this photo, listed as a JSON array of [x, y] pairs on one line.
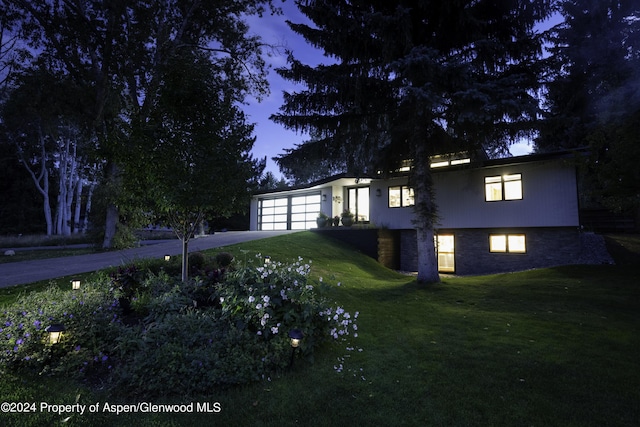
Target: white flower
[[266, 298], [274, 330], [258, 306], [251, 299]]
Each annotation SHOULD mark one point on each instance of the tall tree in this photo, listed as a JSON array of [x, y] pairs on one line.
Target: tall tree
[[593, 95], [413, 79], [115, 51], [44, 129]]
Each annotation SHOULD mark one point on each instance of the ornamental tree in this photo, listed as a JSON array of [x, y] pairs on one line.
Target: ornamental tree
[[410, 80], [192, 154]]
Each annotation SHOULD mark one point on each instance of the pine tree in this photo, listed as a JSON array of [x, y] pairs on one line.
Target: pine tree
[[413, 79]]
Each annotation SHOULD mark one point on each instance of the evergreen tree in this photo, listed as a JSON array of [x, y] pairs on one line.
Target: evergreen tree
[[593, 97], [413, 79], [594, 71]]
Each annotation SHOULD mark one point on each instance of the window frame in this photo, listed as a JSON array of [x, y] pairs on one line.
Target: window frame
[[504, 181], [507, 249], [402, 189]]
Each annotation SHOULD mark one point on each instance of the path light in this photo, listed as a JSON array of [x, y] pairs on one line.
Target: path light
[[75, 284], [167, 258], [55, 331], [267, 260], [296, 336]]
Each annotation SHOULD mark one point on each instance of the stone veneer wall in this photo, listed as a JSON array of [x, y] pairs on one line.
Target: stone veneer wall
[[546, 247]]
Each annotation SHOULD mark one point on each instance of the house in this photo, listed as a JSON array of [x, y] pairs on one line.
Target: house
[[495, 215]]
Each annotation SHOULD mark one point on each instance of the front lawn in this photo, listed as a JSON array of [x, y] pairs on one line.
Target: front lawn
[[552, 347]]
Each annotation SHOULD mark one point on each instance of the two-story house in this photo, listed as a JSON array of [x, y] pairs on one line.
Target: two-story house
[[493, 215]]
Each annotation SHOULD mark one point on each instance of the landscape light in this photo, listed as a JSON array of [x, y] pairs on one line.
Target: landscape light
[[55, 331], [267, 260], [167, 257], [75, 284], [296, 336]]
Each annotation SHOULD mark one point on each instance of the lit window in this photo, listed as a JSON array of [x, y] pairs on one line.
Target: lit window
[[507, 243], [507, 187], [440, 164], [401, 196]]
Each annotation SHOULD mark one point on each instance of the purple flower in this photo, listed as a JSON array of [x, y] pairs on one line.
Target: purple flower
[[19, 341], [37, 324], [77, 348]]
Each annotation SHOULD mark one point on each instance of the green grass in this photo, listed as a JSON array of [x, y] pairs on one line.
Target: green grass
[[552, 347]]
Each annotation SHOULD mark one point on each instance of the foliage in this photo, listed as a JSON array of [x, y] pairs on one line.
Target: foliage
[[119, 61], [592, 96], [179, 340]]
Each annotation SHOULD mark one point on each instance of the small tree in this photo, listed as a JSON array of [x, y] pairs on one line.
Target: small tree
[[195, 148]]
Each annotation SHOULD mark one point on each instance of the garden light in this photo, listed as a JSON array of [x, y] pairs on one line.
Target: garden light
[[55, 331], [267, 260], [75, 284], [167, 258], [296, 336]]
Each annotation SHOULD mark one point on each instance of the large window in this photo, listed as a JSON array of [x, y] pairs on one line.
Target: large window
[[505, 187], [446, 253], [401, 196], [507, 243]]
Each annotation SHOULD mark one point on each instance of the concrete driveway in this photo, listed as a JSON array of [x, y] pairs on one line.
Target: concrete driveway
[[18, 273]]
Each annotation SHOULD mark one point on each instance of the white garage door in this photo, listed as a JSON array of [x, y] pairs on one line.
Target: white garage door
[[297, 212]]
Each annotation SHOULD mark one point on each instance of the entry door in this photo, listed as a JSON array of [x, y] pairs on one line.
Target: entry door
[[359, 203], [446, 253]]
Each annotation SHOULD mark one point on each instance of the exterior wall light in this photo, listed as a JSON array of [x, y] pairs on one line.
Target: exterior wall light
[[55, 331]]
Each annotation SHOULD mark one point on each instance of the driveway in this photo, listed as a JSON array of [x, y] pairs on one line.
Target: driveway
[[18, 273]]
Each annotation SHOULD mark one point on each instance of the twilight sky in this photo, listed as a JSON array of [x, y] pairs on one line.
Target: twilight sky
[[272, 138]]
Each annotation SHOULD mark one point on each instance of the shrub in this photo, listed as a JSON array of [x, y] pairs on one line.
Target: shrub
[[196, 261], [173, 343], [224, 259]]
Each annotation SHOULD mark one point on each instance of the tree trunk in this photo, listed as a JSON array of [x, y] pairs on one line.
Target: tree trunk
[[113, 215], [41, 181], [87, 208], [425, 213], [110, 225], [76, 214], [185, 258]]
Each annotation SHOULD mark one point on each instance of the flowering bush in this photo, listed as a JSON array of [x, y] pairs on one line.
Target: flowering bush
[[273, 298], [176, 344]]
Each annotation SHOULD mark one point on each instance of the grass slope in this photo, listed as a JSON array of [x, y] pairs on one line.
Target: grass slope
[[552, 347]]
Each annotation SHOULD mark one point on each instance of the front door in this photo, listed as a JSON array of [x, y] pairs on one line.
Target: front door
[[359, 203]]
